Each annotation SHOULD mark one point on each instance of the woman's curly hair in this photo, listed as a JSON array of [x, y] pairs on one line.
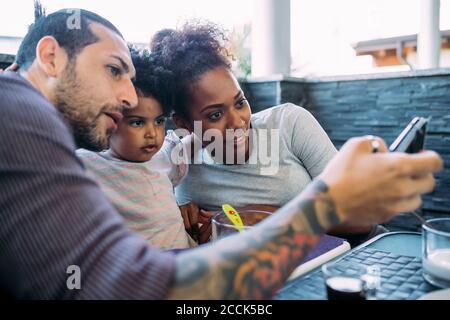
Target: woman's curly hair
[[188, 53], [152, 79]]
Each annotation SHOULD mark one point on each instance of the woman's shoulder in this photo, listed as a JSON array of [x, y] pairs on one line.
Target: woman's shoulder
[[272, 117]]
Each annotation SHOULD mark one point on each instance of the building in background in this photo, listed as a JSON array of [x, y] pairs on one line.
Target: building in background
[[9, 45], [400, 50], [8, 49]]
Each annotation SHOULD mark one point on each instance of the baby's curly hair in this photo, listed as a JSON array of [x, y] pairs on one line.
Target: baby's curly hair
[[189, 52], [152, 79]]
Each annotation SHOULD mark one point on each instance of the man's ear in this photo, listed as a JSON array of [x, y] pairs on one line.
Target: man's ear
[[182, 123], [50, 57]]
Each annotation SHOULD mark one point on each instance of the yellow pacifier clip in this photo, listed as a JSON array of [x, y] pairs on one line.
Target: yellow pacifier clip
[[234, 216]]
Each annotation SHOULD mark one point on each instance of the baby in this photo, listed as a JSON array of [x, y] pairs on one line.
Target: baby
[[136, 172]]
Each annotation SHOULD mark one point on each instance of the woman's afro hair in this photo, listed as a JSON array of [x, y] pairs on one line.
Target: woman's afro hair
[[188, 53]]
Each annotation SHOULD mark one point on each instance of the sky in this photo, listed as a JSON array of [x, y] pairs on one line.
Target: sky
[[322, 30], [136, 19]]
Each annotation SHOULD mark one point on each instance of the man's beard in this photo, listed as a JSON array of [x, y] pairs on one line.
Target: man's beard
[[74, 102]]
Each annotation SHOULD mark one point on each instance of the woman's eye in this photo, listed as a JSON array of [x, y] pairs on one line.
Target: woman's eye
[[115, 71], [241, 103], [136, 123], [215, 116], [160, 121]]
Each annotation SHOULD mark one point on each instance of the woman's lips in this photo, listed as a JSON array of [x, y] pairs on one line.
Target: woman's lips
[[238, 141]]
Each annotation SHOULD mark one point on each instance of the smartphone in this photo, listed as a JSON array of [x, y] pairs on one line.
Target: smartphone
[[412, 138]]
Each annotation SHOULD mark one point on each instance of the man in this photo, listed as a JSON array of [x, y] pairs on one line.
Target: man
[[52, 217]]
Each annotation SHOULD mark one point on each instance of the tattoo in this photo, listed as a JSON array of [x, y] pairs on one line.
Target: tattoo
[[255, 264]]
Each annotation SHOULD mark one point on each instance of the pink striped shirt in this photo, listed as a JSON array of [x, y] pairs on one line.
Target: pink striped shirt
[[143, 193]]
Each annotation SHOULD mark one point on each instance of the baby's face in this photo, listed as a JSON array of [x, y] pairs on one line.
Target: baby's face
[[140, 133]]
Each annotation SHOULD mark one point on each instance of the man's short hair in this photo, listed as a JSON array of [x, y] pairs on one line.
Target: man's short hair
[[70, 27]]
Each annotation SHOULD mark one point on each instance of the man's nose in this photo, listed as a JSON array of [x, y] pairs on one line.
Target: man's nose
[[128, 97]]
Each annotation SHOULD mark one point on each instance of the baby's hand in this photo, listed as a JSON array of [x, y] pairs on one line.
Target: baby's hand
[[193, 216], [206, 228]]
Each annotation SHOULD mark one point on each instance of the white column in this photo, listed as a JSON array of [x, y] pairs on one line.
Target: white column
[[429, 39], [271, 38]]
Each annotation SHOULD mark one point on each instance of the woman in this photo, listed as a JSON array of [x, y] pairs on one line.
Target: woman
[[208, 94]]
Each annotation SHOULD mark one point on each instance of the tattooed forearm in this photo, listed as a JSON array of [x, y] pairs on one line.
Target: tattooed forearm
[[255, 264]]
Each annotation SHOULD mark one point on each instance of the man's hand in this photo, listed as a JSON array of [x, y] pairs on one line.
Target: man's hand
[[371, 187], [192, 217]]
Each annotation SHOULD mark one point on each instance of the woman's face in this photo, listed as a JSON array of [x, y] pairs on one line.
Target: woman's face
[[218, 102]]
